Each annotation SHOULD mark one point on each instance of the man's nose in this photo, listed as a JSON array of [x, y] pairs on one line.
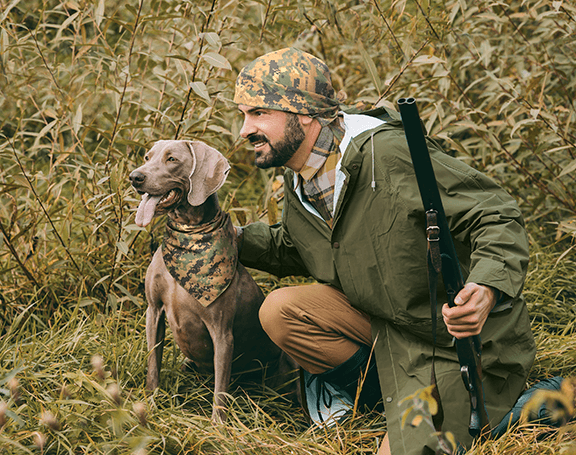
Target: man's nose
[[248, 128]]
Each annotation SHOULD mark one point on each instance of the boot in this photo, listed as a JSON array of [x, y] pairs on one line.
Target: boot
[[331, 395], [544, 414], [347, 377]]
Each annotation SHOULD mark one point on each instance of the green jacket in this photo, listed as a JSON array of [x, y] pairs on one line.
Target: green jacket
[[376, 254]]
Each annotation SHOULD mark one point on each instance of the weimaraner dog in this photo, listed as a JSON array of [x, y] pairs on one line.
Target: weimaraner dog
[[195, 279]]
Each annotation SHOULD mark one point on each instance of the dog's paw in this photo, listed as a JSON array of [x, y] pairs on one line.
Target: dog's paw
[[218, 415]]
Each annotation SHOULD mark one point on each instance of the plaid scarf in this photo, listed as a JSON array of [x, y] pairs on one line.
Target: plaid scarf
[[318, 174]]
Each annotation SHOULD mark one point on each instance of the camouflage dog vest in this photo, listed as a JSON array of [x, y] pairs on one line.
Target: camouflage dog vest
[[203, 258]]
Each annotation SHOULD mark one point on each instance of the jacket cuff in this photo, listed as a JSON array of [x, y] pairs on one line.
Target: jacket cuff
[[498, 275]]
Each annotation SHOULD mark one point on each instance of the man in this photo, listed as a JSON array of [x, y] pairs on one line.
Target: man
[[353, 220]]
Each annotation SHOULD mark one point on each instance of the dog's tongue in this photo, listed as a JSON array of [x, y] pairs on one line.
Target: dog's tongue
[[146, 209]]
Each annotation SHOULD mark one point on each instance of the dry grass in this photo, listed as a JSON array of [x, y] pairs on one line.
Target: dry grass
[[57, 399], [103, 407]]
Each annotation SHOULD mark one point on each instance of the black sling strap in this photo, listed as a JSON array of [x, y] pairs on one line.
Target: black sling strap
[[442, 259]]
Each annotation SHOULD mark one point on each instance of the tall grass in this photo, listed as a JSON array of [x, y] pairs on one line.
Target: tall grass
[[80, 384], [76, 385]]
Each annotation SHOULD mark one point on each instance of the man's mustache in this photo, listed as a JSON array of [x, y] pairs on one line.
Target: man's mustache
[[255, 138]]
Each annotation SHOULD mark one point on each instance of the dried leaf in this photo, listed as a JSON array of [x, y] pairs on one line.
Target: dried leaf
[[77, 120], [99, 13], [217, 60], [65, 24], [240, 215], [272, 211], [7, 10], [416, 421], [371, 68], [212, 39], [200, 89], [4, 43], [522, 123], [568, 169], [123, 247], [427, 60]]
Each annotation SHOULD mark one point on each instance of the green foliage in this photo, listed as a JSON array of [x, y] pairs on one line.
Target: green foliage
[[87, 85]]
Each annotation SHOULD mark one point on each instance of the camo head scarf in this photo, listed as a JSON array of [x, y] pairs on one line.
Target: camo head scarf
[[288, 80]]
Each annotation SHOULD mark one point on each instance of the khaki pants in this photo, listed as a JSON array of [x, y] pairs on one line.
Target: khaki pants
[[315, 325]]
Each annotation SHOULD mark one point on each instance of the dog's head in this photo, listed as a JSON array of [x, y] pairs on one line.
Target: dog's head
[[177, 173]]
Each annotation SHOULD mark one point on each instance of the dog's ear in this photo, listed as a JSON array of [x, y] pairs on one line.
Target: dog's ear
[[208, 174]]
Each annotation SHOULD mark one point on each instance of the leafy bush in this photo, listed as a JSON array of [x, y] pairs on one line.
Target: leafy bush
[[88, 86]]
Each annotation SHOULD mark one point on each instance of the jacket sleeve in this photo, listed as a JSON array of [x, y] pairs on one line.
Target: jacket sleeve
[[485, 221], [269, 248]]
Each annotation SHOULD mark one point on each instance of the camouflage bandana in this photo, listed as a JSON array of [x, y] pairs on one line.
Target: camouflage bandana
[[288, 80], [202, 259]]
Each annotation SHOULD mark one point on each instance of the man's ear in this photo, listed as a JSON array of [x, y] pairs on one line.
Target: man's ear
[[305, 120], [209, 172]]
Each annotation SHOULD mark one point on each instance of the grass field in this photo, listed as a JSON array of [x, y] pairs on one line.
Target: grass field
[[76, 385]]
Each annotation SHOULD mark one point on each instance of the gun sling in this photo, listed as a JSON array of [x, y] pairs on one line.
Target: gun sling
[[442, 258]]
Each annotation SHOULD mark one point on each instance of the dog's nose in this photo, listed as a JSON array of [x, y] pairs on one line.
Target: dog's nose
[[137, 178]]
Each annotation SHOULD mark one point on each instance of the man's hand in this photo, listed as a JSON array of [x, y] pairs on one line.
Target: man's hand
[[473, 304]]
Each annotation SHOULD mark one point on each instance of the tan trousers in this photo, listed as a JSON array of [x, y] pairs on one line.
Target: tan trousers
[[315, 325]]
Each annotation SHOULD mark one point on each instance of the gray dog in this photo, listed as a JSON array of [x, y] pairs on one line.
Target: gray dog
[[195, 279]]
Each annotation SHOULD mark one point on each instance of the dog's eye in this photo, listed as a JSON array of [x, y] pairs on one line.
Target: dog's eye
[[170, 158], [146, 157]]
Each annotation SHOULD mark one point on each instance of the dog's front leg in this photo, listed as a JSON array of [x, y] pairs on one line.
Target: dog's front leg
[[223, 353], [155, 331]]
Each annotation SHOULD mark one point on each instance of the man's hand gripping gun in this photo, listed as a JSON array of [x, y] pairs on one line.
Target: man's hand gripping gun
[[442, 258]]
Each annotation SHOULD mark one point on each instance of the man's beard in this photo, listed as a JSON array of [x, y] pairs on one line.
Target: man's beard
[[280, 152]]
